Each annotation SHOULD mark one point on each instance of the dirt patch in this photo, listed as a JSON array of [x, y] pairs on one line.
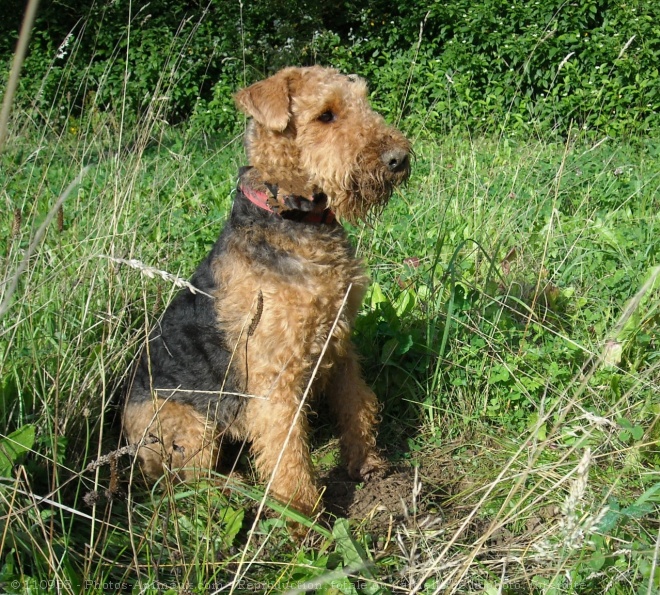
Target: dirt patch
[[443, 485], [383, 502]]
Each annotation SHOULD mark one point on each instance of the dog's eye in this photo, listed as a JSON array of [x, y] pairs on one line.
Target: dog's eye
[[326, 117]]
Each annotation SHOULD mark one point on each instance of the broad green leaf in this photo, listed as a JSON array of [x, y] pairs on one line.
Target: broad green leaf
[[13, 446], [354, 556], [233, 520]]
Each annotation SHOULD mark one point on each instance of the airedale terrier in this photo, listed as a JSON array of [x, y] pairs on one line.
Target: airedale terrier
[[271, 328]]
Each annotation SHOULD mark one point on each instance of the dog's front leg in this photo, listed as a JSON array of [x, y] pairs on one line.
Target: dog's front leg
[[355, 408], [279, 432]]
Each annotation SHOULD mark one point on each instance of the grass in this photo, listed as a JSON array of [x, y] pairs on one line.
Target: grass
[[511, 333]]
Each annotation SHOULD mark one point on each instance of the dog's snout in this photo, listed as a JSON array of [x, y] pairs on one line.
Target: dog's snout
[[395, 160]]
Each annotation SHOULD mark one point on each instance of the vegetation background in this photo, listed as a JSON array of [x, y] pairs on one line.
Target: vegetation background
[[511, 331]]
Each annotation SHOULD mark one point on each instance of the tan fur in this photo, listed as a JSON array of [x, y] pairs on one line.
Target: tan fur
[[284, 348], [305, 155], [283, 317], [185, 442]]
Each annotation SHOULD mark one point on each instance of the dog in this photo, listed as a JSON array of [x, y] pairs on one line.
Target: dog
[[267, 331]]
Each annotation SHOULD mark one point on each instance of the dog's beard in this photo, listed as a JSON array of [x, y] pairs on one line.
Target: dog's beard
[[367, 191]]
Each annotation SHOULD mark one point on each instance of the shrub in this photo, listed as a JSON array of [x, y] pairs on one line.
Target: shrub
[[488, 65]]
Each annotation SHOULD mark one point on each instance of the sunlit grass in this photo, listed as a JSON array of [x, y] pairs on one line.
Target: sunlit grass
[[511, 333]]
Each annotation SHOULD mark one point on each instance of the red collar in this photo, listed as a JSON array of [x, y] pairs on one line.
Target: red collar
[[272, 205]]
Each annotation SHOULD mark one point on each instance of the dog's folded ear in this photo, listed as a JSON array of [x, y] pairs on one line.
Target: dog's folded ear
[[268, 101]]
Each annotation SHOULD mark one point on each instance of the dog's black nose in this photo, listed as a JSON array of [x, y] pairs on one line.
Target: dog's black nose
[[395, 159]]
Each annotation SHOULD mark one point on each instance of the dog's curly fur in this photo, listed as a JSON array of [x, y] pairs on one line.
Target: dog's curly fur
[[286, 289]]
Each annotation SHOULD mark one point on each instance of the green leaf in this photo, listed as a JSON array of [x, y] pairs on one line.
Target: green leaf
[[597, 561], [643, 506], [533, 424], [377, 296], [13, 446], [637, 432], [404, 344], [498, 373], [233, 520], [352, 552], [637, 511], [650, 495], [405, 302], [354, 557]]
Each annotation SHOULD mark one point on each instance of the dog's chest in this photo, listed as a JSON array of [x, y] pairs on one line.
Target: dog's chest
[[289, 297]]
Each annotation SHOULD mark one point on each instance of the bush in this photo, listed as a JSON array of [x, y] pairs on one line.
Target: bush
[[519, 66], [486, 65]]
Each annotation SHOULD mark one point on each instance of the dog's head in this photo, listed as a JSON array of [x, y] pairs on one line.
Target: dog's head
[[313, 130]]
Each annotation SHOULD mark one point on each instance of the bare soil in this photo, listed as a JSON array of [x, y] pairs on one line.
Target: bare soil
[[387, 500]]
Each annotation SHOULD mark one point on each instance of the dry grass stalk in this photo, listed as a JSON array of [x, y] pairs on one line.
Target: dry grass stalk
[[152, 272]]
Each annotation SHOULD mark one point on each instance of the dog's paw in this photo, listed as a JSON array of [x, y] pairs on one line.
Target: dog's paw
[[372, 467]]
